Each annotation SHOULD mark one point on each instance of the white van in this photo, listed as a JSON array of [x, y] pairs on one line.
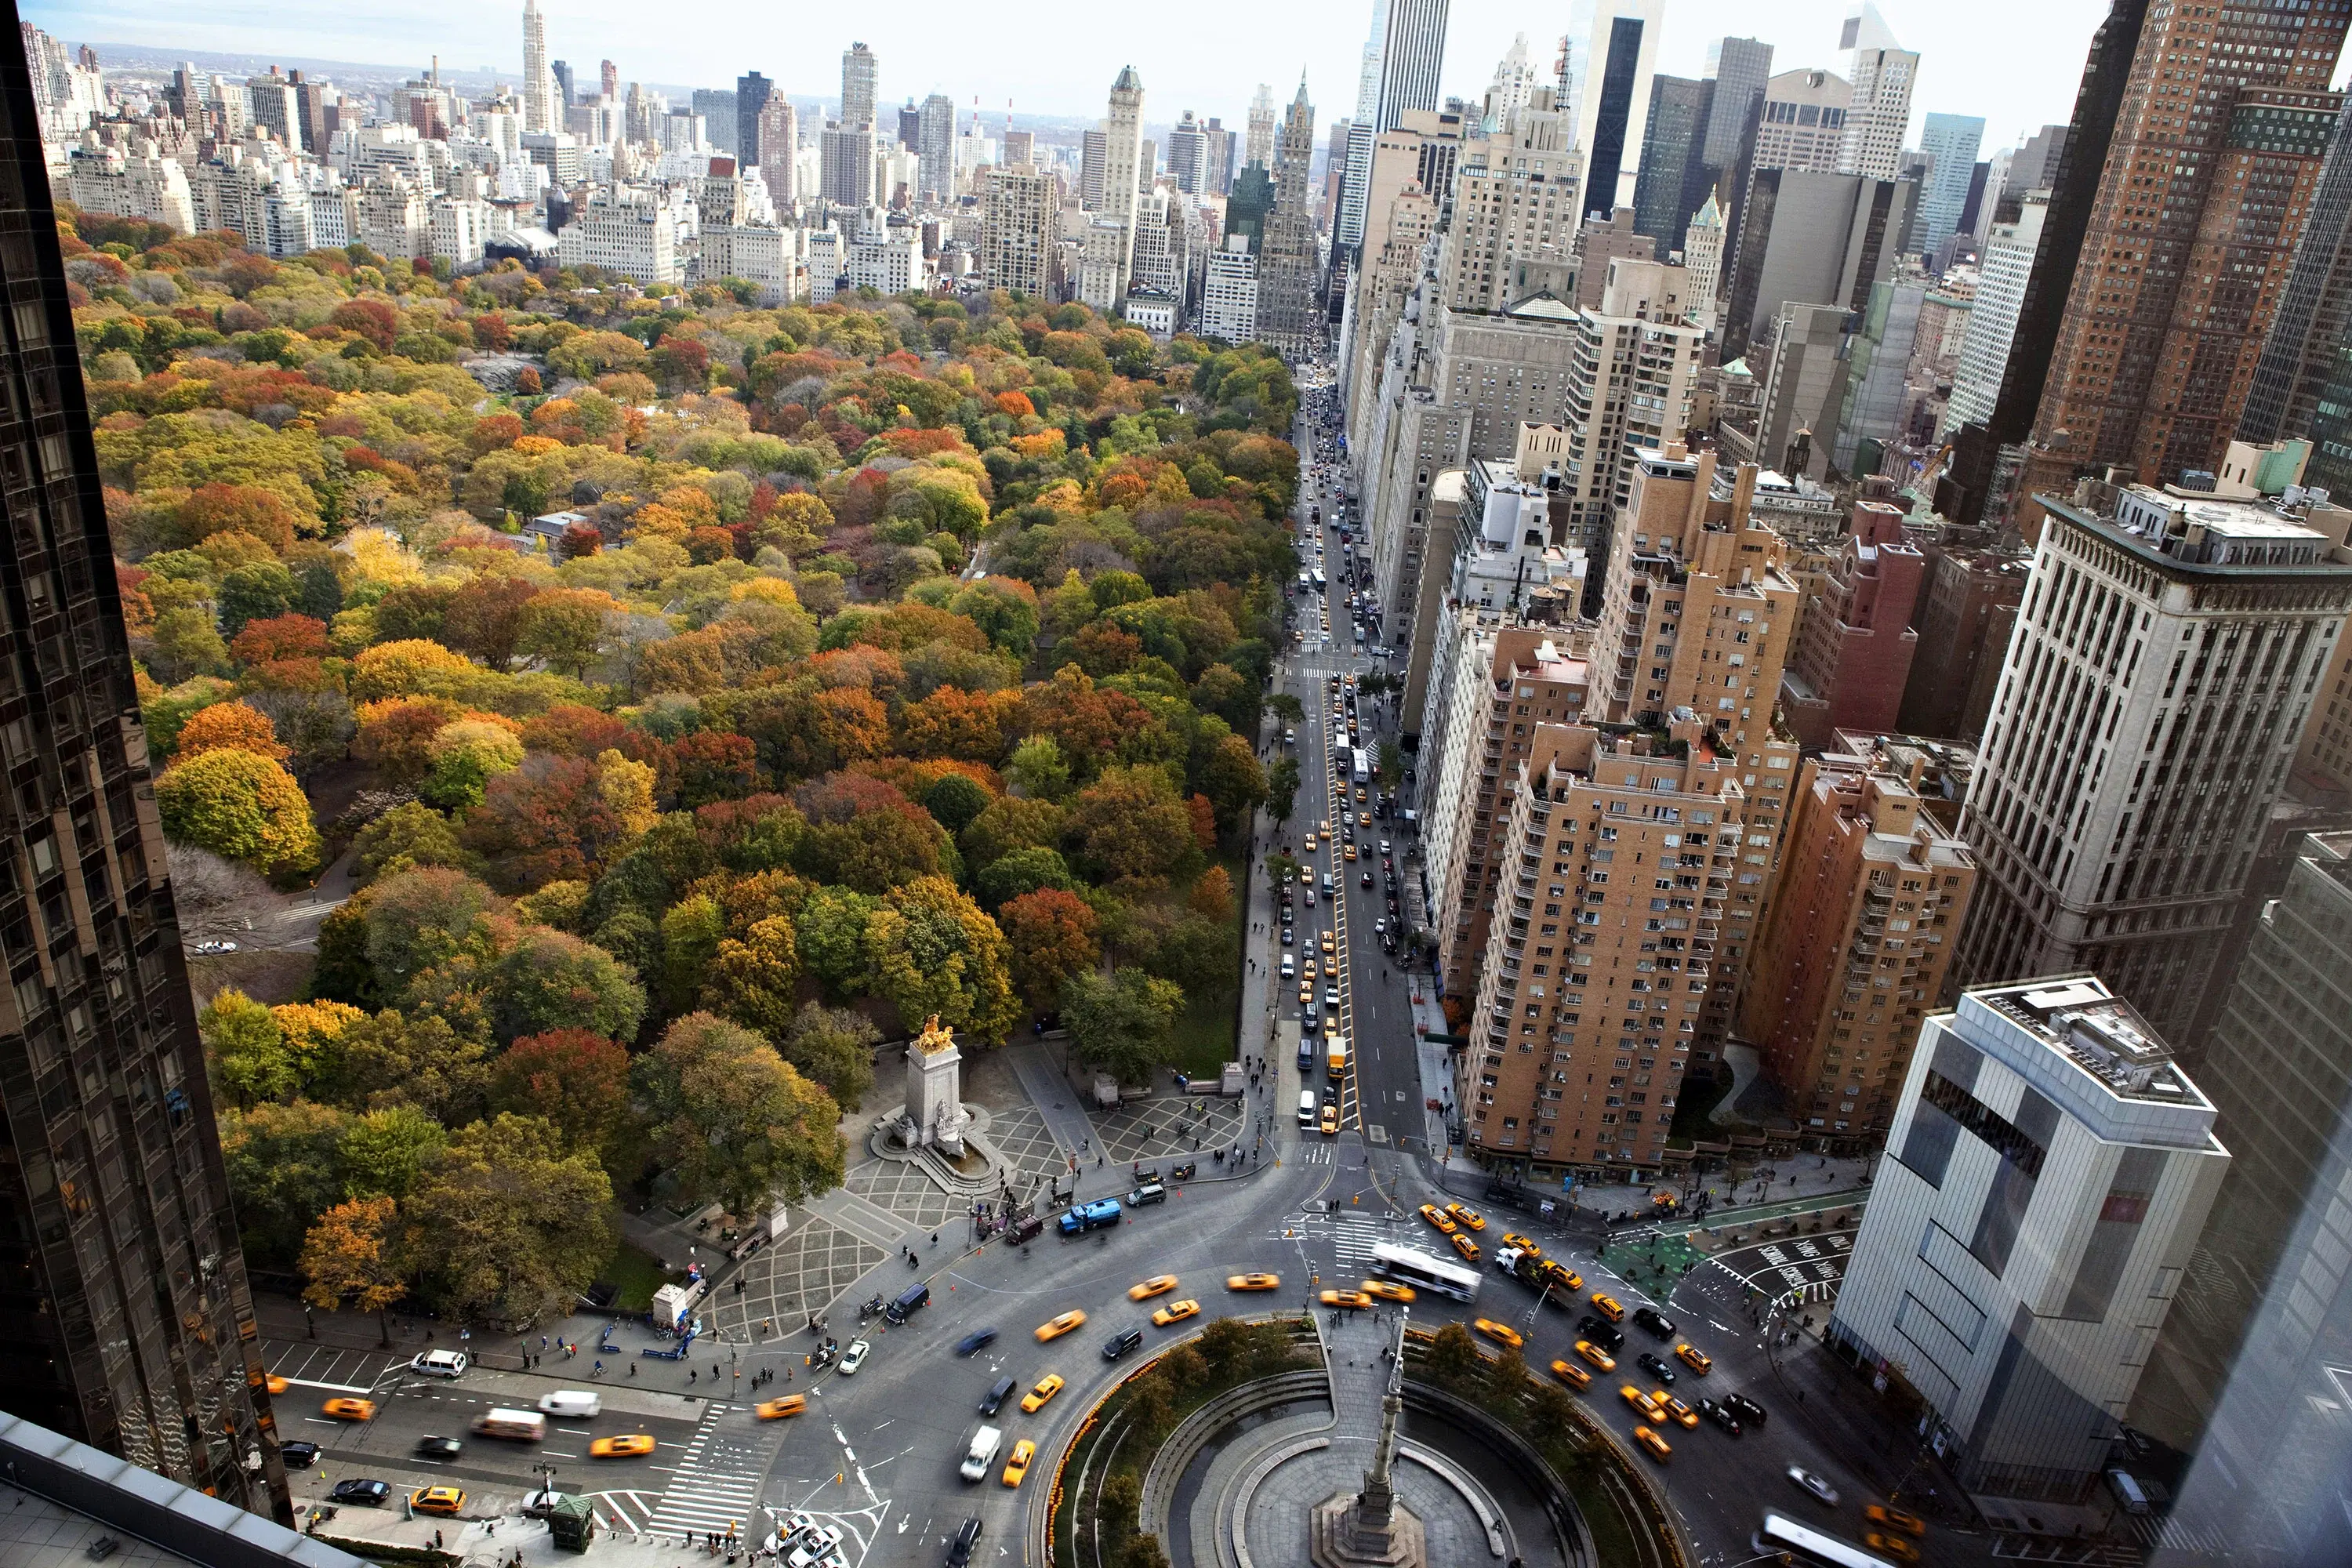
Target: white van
[[523, 1426], [982, 1453], [440, 1363], [1289, 970], [571, 1403], [1307, 1107]]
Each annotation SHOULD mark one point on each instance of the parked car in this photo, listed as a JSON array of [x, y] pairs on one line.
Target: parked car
[[365, 1493]]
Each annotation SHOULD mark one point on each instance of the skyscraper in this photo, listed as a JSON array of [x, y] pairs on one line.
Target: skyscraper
[[2307, 336], [860, 85], [1018, 214], [1951, 141], [1802, 122], [1108, 245], [935, 144], [2048, 1172], [2153, 693], [721, 118], [2004, 268], [2221, 128], [845, 163], [1402, 59], [562, 72], [1257, 147], [779, 145], [751, 92], [1612, 108], [1516, 81], [538, 85], [1187, 156], [133, 1324], [1878, 120], [1677, 131], [1289, 266]]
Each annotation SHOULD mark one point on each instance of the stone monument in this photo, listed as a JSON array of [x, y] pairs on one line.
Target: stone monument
[[935, 1112], [1372, 1529]]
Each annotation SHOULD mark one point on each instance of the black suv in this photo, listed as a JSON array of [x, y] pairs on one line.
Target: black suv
[[1605, 1335], [298, 1455], [966, 1542], [1747, 1410], [1654, 1364], [1120, 1344], [1656, 1322], [1720, 1415]]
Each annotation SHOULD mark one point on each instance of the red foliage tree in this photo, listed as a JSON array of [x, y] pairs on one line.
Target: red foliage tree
[[712, 766], [1052, 936], [278, 637], [373, 320], [571, 730], [577, 1079]]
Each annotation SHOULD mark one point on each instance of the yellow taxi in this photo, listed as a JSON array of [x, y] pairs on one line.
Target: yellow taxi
[[437, 1499], [1501, 1333], [1513, 1239], [1307, 997], [1158, 1284], [1360, 795], [348, 1409], [275, 1384], [1310, 972], [1253, 1281], [1656, 1446], [1016, 1464], [1037, 1398], [1895, 1546], [1642, 1402], [1575, 1376], [1389, 1290], [1682, 1414], [1347, 852], [1468, 1217], [1310, 843], [1363, 819], [1059, 1326], [1176, 1312], [1465, 1246], [627, 1445], [1323, 827], [1895, 1519], [1438, 1217], [1353, 1301], [1329, 1123], [1326, 943], [777, 1409], [1609, 1307], [1596, 1355], [1691, 1356], [1567, 1279]]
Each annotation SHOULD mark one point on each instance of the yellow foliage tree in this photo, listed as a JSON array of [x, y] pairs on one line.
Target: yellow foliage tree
[[627, 790], [405, 669], [349, 1256]]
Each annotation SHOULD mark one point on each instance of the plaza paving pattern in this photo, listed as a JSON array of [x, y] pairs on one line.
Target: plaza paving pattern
[[1167, 1128], [814, 1263], [1021, 1135], [904, 1189]]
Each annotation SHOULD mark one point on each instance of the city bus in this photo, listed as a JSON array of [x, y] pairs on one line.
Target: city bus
[[1363, 764], [1782, 1536], [1424, 1271]]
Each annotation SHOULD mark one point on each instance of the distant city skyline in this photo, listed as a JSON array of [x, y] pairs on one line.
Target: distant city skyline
[[1971, 62]]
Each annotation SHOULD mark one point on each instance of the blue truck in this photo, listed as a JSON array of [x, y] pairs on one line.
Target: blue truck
[[1090, 1217]]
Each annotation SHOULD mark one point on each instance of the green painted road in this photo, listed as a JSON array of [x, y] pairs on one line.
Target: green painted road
[[1765, 1214]]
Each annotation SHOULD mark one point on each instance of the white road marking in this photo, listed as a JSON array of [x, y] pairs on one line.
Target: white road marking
[[338, 1387]]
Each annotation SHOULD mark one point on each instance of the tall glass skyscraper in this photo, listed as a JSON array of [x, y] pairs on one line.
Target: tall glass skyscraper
[[123, 1300]]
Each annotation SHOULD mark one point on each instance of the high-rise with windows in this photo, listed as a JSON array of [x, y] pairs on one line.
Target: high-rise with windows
[[1612, 102], [861, 84], [752, 93], [1402, 62], [1878, 120], [2222, 125], [538, 84], [1950, 142], [134, 1327], [2156, 687], [1109, 244], [1290, 265], [935, 145]]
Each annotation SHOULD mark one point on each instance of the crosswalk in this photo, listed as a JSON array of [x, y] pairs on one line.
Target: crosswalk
[[716, 1483], [1351, 1234]]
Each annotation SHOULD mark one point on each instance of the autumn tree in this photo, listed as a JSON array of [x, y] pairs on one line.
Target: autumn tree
[[550, 980], [229, 724], [752, 981], [487, 616], [1130, 825], [576, 1078], [241, 806], [351, 1257], [734, 1119], [1051, 933]]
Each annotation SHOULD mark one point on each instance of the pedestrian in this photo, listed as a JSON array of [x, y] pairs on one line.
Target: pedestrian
[[689, 1375], [633, 1369]]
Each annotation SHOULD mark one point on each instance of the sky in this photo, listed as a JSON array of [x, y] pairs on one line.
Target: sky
[[2014, 62]]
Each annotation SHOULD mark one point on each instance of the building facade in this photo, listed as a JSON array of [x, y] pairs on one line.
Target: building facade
[[135, 1323], [1863, 926], [2049, 1169], [2153, 696], [1852, 655]]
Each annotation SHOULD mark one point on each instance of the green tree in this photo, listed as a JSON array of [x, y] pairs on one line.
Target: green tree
[[383, 1151], [1287, 709], [752, 980], [187, 644], [1391, 764], [241, 806], [1282, 789], [549, 980], [955, 800], [1125, 1023], [831, 931], [1023, 871], [410, 834], [1129, 823], [1454, 1359], [833, 1046], [1233, 780], [508, 1224], [250, 1059], [285, 1169], [932, 950], [1037, 768], [735, 1120], [691, 930]]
